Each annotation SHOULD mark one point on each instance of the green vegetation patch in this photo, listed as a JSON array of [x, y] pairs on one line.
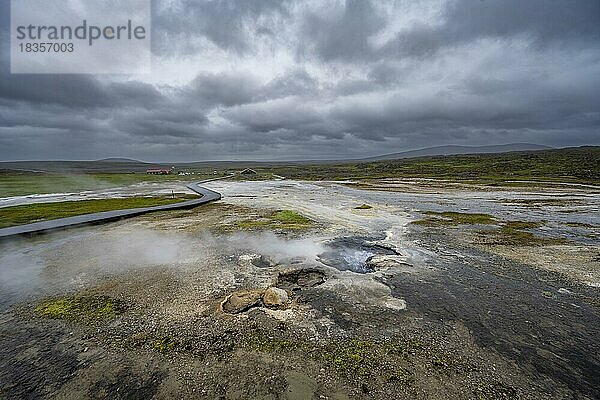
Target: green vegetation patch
[[508, 232], [290, 217], [454, 218], [85, 309], [29, 213], [164, 345], [520, 225], [507, 235], [363, 207], [13, 183], [361, 360], [575, 165], [282, 219], [515, 233], [356, 357]]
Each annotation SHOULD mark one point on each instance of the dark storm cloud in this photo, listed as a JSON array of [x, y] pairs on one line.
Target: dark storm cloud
[[544, 21], [345, 35], [310, 79]]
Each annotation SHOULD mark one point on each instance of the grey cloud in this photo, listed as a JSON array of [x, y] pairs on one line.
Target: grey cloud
[[67, 90], [345, 34], [541, 21], [229, 24], [297, 82], [75, 91], [485, 72], [268, 116], [224, 89]]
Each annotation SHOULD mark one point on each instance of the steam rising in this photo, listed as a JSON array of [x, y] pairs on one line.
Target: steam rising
[[75, 259], [274, 247]]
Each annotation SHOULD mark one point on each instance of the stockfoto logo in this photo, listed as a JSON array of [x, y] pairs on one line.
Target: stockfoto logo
[[82, 32], [84, 36]]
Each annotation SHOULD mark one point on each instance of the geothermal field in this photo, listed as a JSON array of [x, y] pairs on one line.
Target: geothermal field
[[285, 289]]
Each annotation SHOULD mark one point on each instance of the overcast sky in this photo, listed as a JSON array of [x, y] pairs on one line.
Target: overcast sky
[[260, 80]]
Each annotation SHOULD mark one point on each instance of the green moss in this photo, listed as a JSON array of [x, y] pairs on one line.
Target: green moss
[[254, 224], [451, 218], [86, 309], [514, 233], [352, 358], [509, 232], [287, 217], [260, 341], [30, 213], [363, 207], [401, 375], [164, 345], [358, 360]]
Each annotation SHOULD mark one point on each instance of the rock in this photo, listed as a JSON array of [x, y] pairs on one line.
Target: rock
[[300, 279], [255, 260], [242, 300], [263, 262], [394, 303], [275, 297], [379, 262], [564, 291]]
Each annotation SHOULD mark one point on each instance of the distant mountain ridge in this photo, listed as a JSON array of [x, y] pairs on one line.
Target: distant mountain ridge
[[455, 149], [121, 159], [121, 164]]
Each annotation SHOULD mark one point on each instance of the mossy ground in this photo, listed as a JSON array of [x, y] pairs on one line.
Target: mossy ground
[[507, 232], [83, 309], [450, 218], [29, 213], [365, 360], [282, 219], [513, 234], [517, 233], [164, 344]]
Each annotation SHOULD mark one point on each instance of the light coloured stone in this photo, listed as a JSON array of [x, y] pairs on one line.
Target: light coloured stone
[[242, 301], [275, 297]]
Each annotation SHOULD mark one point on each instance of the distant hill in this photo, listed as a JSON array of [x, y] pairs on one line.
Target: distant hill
[[453, 150], [109, 165], [121, 160]]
